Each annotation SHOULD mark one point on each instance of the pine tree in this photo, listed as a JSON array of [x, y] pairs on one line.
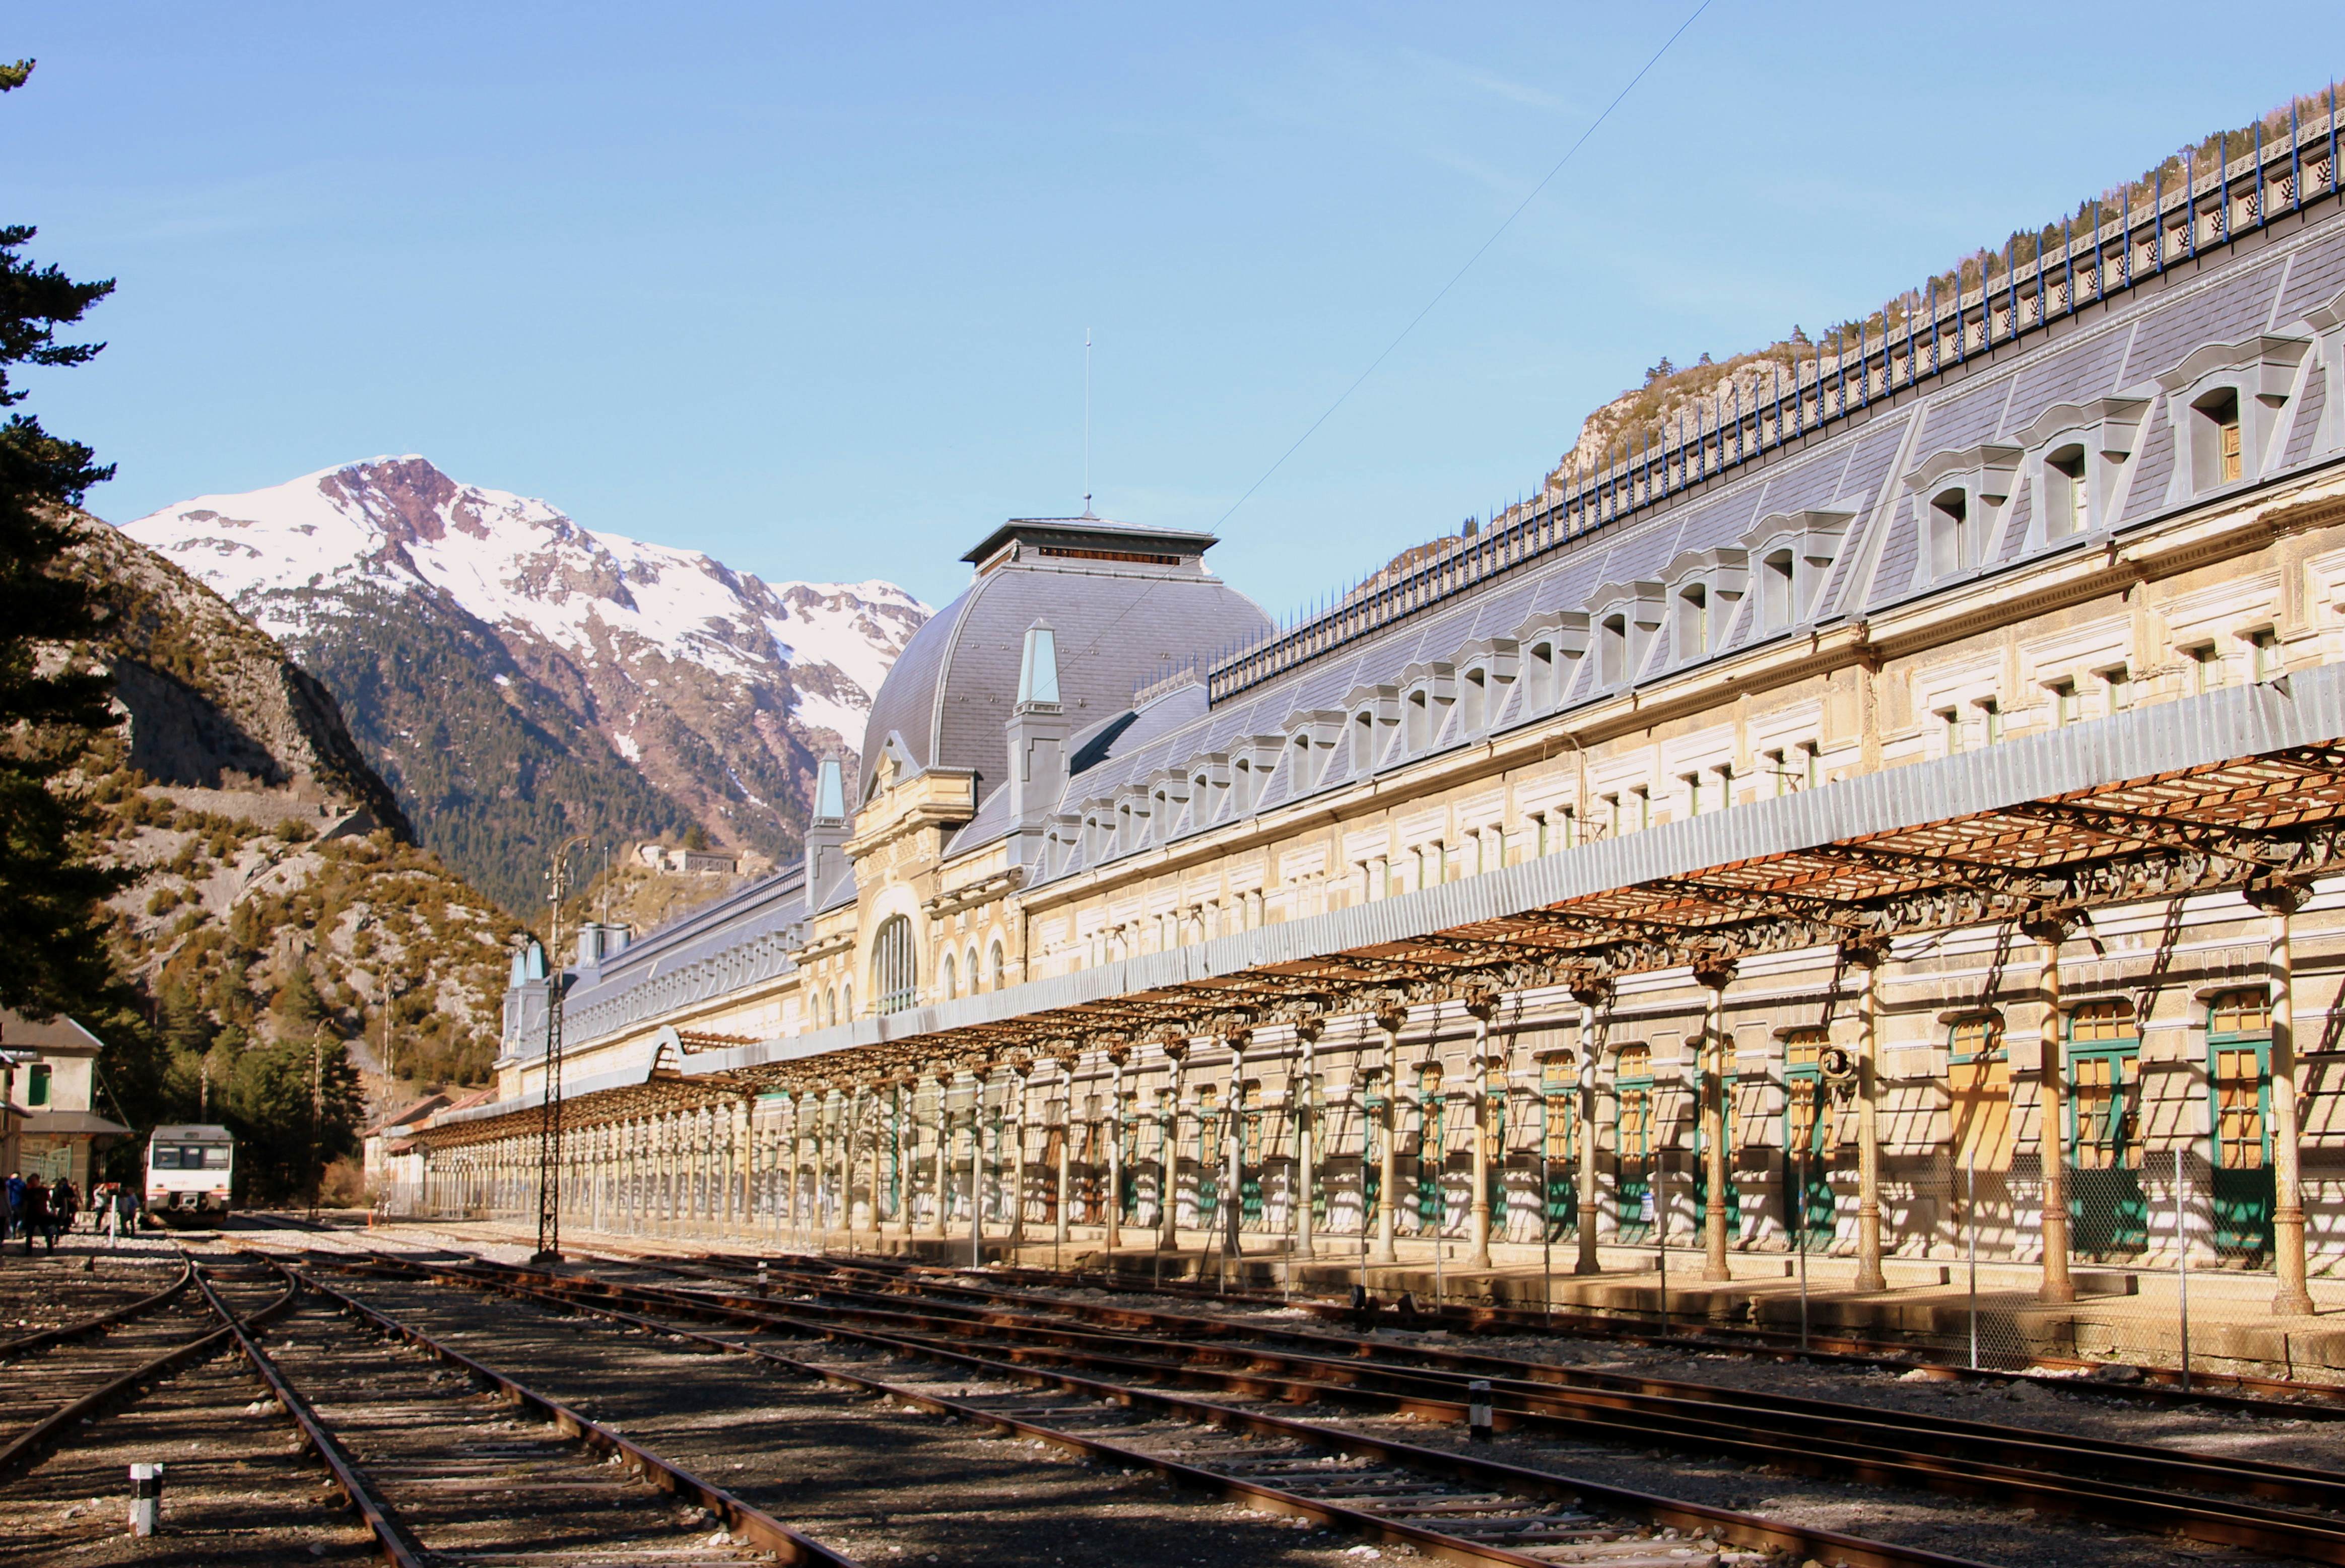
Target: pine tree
[[52, 956], [298, 1008]]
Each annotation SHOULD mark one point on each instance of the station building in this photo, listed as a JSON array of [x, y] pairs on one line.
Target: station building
[[1896, 812]]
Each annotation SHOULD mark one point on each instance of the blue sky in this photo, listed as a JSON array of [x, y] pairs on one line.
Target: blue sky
[[806, 288]]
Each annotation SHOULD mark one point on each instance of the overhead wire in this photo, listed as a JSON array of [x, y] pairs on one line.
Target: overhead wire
[[1495, 235]]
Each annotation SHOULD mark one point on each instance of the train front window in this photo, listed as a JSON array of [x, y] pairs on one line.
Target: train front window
[[166, 1158], [215, 1157]]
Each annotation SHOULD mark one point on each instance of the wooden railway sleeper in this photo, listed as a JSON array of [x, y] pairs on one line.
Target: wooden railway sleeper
[[1544, 1487], [2289, 1533], [1848, 1431], [1533, 1383], [743, 1521], [47, 1337], [2160, 1385], [27, 1447]]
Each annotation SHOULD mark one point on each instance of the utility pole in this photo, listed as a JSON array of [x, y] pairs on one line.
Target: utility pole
[[549, 1126], [317, 1101]]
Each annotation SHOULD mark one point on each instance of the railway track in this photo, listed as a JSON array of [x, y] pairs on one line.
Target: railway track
[[448, 1460], [1451, 1504], [2159, 1387], [137, 1306], [2261, 1507], [67, 1384]]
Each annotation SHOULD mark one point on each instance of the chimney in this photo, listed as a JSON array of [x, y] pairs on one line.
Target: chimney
[[590, 946], [1037, 733], [825, 835], [614, 940]]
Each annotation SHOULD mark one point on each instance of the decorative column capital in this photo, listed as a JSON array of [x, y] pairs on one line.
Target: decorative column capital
[[2050, 927], [1864, 955], [1592, 991], [1714, 973], [1392, 1020], [2277, 895], [1482, 1006]]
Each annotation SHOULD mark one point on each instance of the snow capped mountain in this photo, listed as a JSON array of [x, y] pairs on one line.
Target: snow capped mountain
[[502, 664]]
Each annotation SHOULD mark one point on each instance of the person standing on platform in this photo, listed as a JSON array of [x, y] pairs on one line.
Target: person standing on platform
[[36, 1215]]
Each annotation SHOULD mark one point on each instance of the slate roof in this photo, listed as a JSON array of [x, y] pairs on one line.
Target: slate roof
[[1856, 469], [1119, 624]]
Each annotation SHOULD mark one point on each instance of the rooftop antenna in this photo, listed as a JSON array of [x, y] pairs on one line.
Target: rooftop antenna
[[1087, 424]]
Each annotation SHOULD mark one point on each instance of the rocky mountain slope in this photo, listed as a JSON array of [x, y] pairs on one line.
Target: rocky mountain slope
[[279, 887], [516, 677]]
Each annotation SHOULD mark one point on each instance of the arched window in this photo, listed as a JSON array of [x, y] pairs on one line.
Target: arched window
[[994, 971], [947, 981], [895, 976], [969, 967], [846, 1001], [830, 1009]]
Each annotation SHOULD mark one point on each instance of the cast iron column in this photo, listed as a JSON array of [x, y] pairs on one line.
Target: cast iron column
[[1714, 976], [2052, 1122], [2278, 901]]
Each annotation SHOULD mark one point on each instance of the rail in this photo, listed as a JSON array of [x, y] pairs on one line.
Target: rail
[[47, 1337], [1742, 1529], [28, 1446], [743, 1521]]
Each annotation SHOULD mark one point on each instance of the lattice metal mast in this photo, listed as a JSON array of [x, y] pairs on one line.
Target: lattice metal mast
[[549, 1125]]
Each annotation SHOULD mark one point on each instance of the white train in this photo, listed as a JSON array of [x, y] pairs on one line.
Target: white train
[[190, 1168]]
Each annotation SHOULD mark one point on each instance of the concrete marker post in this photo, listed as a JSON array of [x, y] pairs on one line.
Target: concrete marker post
[[145, 1499]]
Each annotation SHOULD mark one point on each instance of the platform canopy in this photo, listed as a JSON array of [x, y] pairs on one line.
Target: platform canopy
[[2226, 791]]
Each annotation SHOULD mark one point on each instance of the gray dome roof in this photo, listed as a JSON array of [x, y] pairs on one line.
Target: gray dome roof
[[1126, 602]]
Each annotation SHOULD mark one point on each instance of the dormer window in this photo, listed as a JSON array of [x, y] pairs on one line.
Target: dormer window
[[1418, 722], [1364, 743], [1538, 664], [1299, 760], [1478, 701], [2214, 451], [1612, 650], [1693, 622], [1242, 783], [1777, 576], [1949, 524], [2067, 501]]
